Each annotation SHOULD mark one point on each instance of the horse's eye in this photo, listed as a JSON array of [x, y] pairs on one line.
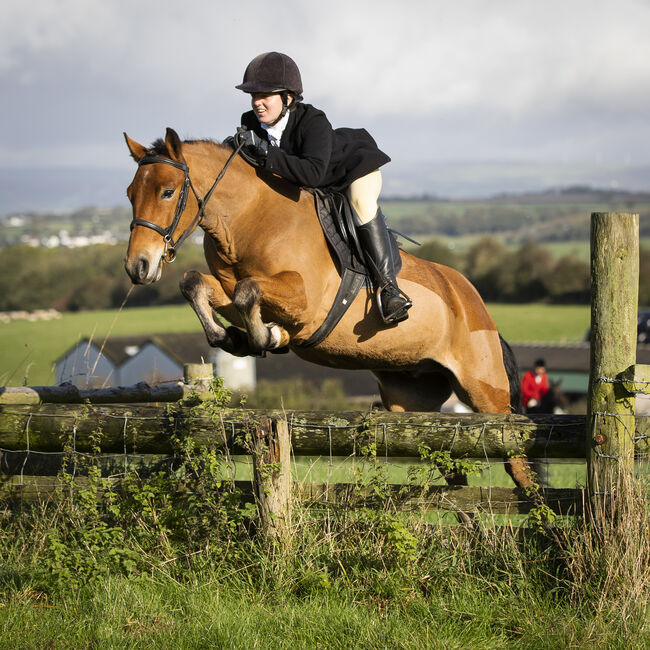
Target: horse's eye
[[167, 194]]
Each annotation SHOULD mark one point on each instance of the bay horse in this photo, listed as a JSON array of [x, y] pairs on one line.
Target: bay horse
[[273, 277]]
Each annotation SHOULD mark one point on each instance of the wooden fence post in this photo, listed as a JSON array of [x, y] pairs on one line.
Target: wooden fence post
[[272, 477], [610, 410]]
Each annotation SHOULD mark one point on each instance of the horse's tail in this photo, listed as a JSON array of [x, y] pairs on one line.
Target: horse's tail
[[512, 371]]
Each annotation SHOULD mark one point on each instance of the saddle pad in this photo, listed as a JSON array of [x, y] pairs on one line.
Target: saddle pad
[[331, 208], [336, 218]]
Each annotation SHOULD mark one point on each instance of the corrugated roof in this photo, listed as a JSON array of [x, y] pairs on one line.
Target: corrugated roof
[[185, 347], [568, 358]]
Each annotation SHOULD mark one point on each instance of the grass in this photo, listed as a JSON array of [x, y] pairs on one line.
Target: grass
[[153, 613], [160, 614], [353, 580], [541, 323], [29, 350]]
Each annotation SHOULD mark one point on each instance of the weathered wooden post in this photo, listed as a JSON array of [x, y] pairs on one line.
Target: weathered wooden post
[[198, 374], [610, 411], [272, 477]]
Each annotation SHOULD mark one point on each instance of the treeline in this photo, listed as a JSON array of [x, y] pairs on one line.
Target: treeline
[[529, 273], [542, 219], [84, 278], [94, 277]]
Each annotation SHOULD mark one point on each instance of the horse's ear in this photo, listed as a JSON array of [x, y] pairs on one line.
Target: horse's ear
[[138, 152], [174, 145]]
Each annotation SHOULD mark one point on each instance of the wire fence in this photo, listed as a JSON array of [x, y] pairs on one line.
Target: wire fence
[[32, 468]]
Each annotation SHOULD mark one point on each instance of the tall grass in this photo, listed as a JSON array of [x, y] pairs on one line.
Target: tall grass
[[173, 562]]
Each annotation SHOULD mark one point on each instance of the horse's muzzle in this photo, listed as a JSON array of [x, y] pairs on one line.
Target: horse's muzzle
[[141, 271]]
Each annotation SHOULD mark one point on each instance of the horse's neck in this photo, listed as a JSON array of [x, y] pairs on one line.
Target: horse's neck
[[227, 204], [244, 212]]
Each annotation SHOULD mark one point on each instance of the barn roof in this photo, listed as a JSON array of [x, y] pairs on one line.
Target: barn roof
[[184, 347], [568, 358]]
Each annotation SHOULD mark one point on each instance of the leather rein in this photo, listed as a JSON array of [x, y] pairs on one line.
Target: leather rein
[[168, 233]]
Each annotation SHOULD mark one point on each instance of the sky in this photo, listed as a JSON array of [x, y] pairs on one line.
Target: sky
[[465, 96]]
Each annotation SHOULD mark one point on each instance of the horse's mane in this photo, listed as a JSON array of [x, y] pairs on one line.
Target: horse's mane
[[287, 189], [159, 148]]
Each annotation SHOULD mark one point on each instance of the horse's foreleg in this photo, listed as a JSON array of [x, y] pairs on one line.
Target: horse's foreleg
[[279, 295], [205, 294]]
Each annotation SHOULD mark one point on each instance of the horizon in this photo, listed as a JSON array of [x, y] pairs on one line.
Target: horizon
[[68, 189]]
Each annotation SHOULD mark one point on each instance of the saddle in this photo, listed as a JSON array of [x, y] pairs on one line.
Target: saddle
[[336, 218]]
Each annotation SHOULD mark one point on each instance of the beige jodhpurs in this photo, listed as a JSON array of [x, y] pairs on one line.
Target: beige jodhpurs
[[363, 194]]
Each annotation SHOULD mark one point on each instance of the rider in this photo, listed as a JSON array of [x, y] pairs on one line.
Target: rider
[[297, 142], [534, 384]]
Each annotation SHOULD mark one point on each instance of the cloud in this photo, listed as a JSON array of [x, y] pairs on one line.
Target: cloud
[[503, 78]]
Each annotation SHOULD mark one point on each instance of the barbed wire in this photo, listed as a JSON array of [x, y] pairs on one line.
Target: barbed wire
[[644, 386]]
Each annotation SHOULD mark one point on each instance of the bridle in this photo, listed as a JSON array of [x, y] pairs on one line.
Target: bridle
[[168, 233]]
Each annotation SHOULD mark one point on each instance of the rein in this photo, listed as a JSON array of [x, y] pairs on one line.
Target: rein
[[168, 233]]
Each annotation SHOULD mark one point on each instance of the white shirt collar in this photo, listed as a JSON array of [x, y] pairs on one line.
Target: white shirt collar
[[275, 132]]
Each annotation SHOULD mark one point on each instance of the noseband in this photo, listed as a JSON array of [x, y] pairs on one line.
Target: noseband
[[168, 233]]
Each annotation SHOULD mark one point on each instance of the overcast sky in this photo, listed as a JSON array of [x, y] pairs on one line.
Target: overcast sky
[[559, 82]]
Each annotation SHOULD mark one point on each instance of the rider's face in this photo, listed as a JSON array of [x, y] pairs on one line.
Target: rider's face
[[267, 107]]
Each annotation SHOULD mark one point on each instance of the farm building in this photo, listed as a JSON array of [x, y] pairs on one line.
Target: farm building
[[122, 361], [566, 362]]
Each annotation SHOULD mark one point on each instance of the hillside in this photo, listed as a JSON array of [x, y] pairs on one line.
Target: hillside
[[553, 216], [556, 216]]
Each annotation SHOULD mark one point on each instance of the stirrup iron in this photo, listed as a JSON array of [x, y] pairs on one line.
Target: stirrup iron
[[401, 313]]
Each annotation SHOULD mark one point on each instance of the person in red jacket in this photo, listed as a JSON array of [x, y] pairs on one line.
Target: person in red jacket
[[296, 141], [534, 385]]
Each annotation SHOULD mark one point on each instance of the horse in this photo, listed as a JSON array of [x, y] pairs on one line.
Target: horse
[[273, 277]]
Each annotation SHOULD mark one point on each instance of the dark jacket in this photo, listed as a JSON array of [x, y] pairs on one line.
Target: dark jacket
[[313, 154]]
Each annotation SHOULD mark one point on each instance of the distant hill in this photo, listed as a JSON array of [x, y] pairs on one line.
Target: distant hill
[[62, 201], [69, 188], [550, 216]]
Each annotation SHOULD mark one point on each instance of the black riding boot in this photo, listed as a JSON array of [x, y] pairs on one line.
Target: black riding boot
[[377, 246]]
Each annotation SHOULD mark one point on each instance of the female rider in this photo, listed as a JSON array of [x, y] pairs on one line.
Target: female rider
[[297, 142]]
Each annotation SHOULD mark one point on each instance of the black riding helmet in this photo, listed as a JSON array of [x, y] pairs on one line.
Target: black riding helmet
[[273, 72]]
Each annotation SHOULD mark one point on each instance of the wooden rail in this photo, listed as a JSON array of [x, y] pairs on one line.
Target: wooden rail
[[607, 437], [149, 429]]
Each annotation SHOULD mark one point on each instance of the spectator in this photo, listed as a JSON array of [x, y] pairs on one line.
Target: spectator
[[534, 385]]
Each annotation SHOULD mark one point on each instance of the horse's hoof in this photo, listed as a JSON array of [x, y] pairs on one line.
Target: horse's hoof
[[278, 336]]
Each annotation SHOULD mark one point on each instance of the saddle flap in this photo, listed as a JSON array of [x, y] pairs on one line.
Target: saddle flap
[[336, 217]]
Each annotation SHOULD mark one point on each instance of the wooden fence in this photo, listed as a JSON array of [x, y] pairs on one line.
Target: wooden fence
[[38, 424]]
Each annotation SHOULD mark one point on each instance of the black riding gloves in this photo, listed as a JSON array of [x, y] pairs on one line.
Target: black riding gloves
[[253, 148]]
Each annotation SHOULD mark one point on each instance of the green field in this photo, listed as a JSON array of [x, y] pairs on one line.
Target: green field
[[28, 350]]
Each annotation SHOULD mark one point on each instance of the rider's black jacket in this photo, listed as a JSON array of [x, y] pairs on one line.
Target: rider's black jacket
[[313, 154]]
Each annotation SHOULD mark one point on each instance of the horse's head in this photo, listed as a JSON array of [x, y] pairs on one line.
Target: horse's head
[[158, 194]]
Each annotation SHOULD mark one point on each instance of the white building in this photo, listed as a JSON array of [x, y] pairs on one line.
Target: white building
[[123, 361]]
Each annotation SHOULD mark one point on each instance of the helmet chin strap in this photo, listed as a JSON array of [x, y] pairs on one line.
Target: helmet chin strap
[[285, 107]]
